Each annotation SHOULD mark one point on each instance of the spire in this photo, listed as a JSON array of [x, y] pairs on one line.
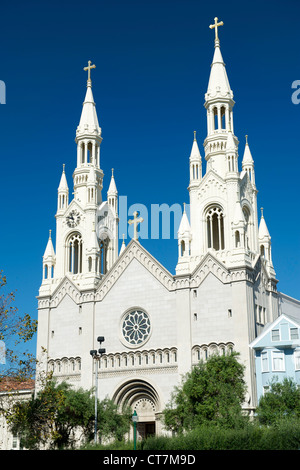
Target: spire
[[63, 185], [263, 232], [247, 158], [219, 104], [89, 121], [112, 193], [184, 227], [123, 246], [93, 244], [195, 164], [248, 163], [49, 252], [63, 193], [112, 190], [195, 152], [218, 84]]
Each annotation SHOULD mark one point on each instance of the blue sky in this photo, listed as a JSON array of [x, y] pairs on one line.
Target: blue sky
[[152, 67]]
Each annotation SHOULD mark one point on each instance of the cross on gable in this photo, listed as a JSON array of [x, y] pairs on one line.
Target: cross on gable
[[135, 221]]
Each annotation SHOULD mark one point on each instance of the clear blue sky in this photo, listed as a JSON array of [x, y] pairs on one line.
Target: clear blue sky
[[153, 61]]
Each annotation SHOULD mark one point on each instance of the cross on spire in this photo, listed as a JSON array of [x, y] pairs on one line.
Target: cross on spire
[[216, 25], [88, 69], [136, 220]]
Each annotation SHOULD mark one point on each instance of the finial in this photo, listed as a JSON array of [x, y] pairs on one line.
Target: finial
[[49, 234], [262, 211], [63, 167], [184, 207], [246, 138], [88, 69], [194, 135], [112, 172], [216, 25], [123, 238]]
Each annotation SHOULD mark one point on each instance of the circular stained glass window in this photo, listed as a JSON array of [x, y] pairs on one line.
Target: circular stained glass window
[[136, 327]]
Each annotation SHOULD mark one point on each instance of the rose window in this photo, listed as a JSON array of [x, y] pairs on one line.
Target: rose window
[[136, 327]]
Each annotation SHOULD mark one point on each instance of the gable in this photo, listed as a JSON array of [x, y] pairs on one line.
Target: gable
[[264, 339], [210, 264], [134, 251]]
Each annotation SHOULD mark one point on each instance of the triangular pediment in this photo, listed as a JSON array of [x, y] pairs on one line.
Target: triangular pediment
[[65, 287], [136, 251], [210, 264], [212, 184]]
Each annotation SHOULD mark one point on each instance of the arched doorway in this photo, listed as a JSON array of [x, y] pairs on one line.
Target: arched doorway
[[143, 398]]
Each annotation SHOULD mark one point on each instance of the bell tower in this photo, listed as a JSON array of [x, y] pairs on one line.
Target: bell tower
[[88, 177]]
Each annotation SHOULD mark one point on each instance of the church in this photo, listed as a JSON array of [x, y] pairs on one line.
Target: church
[[157, 325]]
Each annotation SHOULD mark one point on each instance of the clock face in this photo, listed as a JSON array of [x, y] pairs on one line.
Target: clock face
[[73, 218]]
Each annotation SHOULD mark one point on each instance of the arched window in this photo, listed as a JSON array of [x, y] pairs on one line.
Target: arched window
[[223, 122], [74, 248], [82, 149], [89, 153], [237, 239], [103, 255], [215, 228], [246, 213]]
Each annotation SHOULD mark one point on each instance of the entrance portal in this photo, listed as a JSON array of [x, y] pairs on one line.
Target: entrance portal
[[142, 398], [145, 430]]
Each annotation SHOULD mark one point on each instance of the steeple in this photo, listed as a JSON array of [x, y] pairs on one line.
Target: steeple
[[112, 193], [63, 193], [248, 163], [48, 260], [218, 103], [195, 164], [88, 140], [264, 241], [184, 244]]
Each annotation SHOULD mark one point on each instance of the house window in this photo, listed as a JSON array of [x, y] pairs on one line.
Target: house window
[[297, 359], [275, 335], [277, 361], [294, 333], [264, 362]]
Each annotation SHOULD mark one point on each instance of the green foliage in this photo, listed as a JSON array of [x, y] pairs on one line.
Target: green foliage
[[15, 330], [213, 392], [285, 436], [281, 401], [59, 415]]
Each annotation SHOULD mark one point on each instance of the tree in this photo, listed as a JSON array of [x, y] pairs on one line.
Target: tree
[[281, 401], [213, 392], [15, 330], [59, 416]]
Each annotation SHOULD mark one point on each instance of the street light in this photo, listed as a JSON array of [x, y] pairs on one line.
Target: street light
[[135, 420], [97, 355]]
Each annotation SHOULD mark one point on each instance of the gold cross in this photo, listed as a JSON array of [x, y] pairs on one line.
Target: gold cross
[[216, 27], [88, 68], [135, 223]]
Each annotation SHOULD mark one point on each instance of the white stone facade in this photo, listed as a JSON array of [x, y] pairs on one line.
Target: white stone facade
[[157, 325]]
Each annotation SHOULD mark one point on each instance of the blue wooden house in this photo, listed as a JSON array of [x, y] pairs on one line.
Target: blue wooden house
[[277, 352]]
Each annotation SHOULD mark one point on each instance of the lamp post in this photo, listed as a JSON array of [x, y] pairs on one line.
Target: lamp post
[[97, 355], [135, 420]]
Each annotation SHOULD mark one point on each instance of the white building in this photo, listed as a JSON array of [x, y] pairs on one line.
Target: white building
[[156, 324]]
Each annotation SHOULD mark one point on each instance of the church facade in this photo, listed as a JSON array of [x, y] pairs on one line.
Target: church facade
[[157, 325]]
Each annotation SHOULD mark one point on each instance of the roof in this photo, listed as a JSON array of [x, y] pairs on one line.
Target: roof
[[13, 384]]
